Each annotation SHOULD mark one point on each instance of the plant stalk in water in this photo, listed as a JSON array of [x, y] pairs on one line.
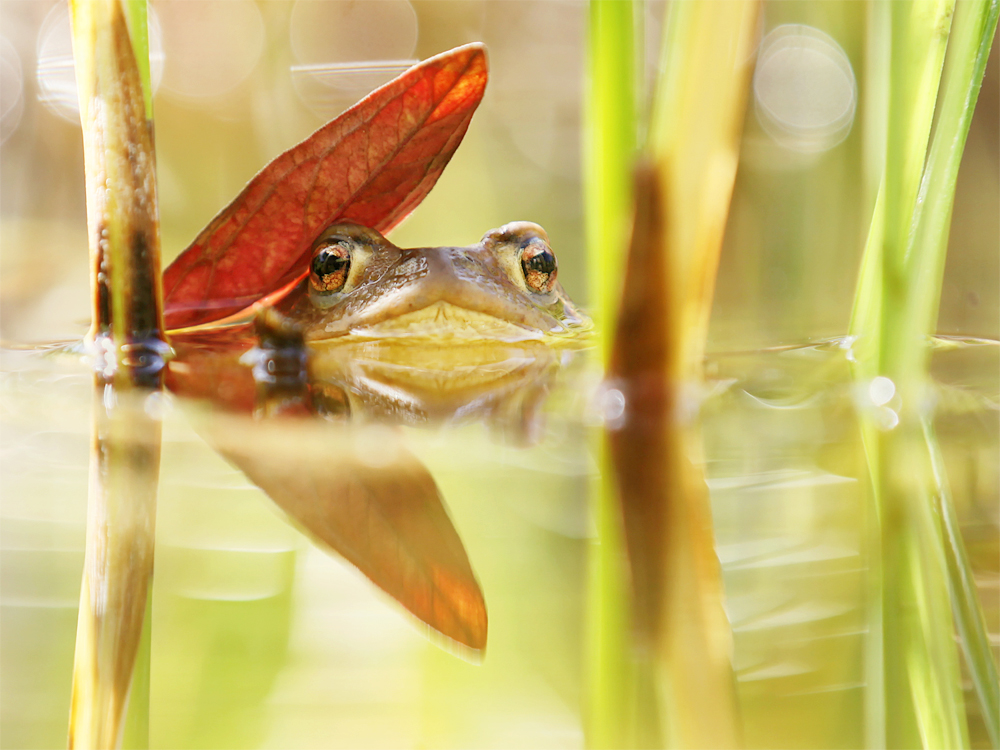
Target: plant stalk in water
[[129, 349], [610, 134], [679, 673], [914, 695], [694, 143]]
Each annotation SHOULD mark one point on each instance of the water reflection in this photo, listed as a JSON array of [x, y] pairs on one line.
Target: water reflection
[[259, 635], [253, 627], [500, 385], [312, 428], [214, 46]]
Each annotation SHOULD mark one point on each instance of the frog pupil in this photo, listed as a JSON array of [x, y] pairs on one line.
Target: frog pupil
[[539, 266], [328, 262], [543, 262]]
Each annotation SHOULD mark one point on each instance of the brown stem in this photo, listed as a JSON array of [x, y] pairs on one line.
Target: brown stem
[[130, 354]]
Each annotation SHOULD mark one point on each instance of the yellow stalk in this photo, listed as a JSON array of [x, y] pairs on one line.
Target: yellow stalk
[[129, 348], [694, 143]]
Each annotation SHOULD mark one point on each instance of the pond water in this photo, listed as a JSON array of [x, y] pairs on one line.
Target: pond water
[[263, 639]]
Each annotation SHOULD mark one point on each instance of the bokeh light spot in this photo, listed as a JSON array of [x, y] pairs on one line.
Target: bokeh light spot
[[56, 72], [11, 90], [804, 89], [212, 45], [881, 390]]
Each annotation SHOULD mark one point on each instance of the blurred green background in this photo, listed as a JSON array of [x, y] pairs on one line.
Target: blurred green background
[[260, 640]]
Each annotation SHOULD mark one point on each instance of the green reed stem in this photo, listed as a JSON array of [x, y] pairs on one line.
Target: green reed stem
[[915, 692], [136, 15], [968, 611], [972, 35], [609, 150], [610, 671], [917, 36], [610, 141]]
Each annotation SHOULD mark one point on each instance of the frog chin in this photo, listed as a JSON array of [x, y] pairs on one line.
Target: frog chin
[[446, 321]]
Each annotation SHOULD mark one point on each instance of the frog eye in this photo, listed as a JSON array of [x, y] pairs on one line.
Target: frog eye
[[331, 262], [539, 265]]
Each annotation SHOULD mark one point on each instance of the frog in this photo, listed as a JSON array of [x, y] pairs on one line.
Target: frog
[[305, 240], [377, 337], [504, 288], [422, 333]]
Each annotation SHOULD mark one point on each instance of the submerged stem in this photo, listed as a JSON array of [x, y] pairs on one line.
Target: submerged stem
[[130, 350], [915, 693]]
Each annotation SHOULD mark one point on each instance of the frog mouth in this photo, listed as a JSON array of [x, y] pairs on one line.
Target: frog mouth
[[444, 320]]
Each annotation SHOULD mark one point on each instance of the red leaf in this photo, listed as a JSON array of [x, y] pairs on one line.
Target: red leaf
[[373, 165]]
